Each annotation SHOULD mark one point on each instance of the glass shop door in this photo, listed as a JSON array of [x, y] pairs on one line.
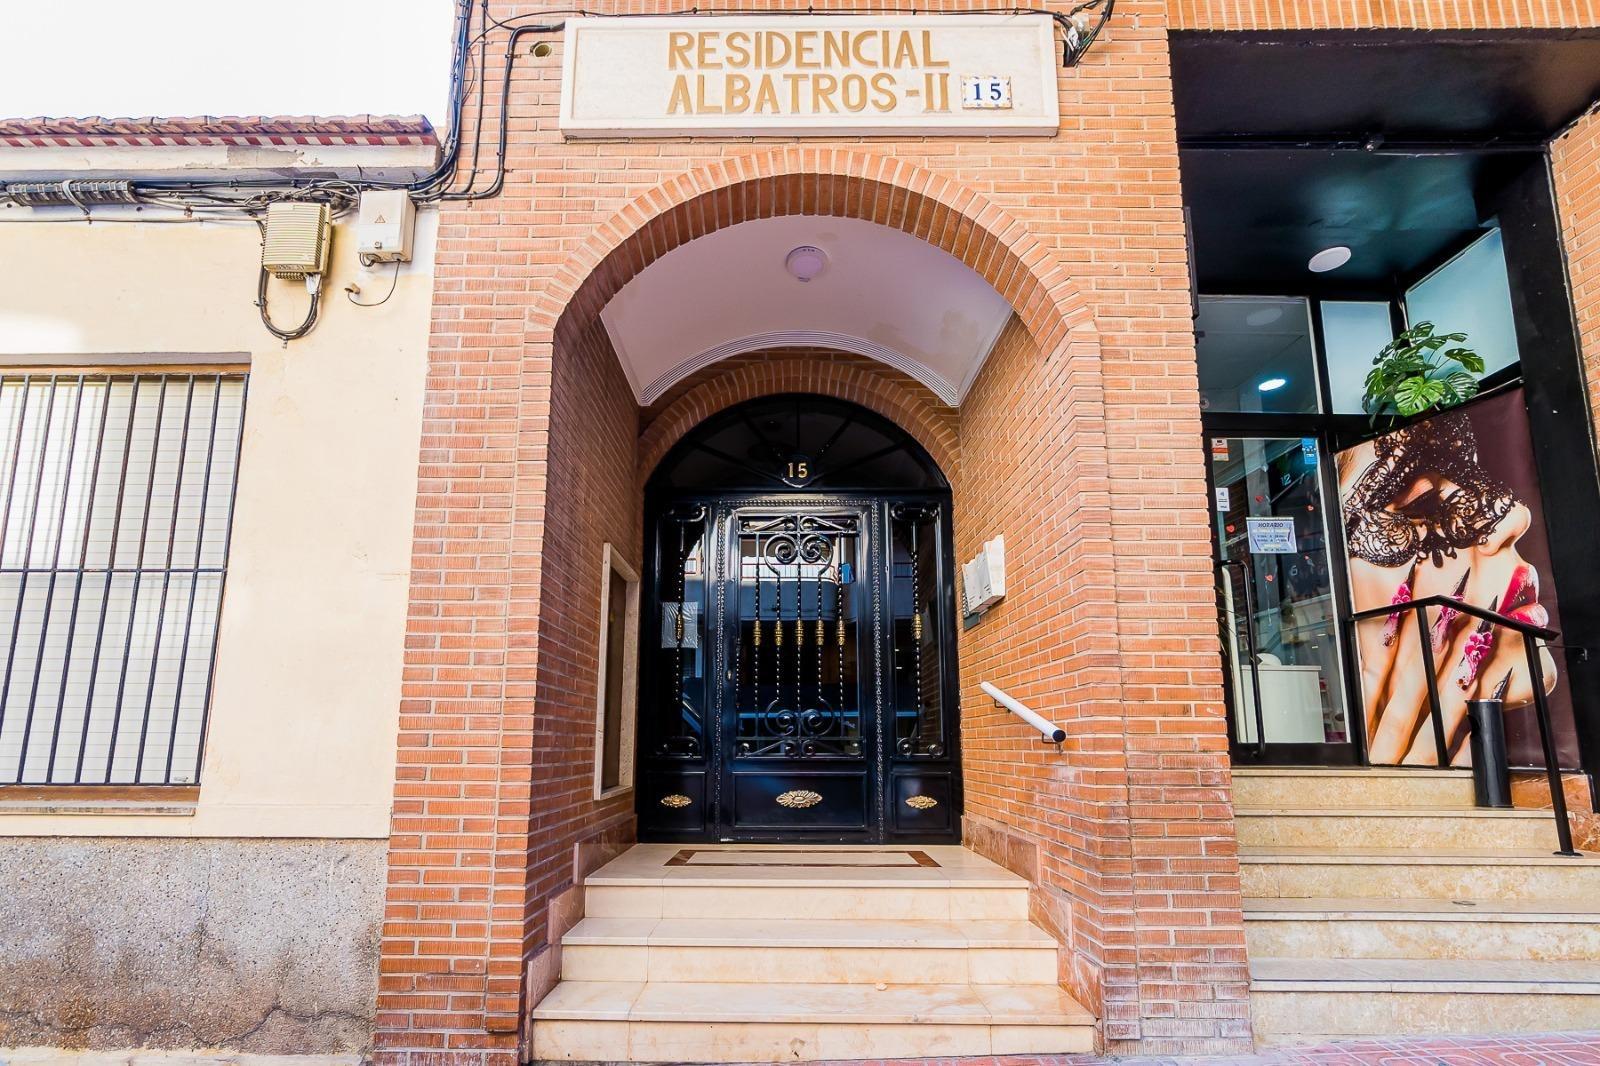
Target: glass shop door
[[1283, 659]]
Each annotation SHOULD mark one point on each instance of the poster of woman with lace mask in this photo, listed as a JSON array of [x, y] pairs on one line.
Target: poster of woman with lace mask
[[1450, 506]]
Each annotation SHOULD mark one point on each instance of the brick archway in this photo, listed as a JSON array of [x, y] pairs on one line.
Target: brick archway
[[499, 703], [812, 181], [889, 392]]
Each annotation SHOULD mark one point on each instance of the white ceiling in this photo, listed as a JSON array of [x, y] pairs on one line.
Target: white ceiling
[[884, 294]]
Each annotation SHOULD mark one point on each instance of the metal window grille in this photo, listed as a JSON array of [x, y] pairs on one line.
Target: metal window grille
[[116, 501]]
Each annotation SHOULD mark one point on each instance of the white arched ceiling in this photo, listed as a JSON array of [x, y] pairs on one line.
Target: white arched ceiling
[[884, 294]]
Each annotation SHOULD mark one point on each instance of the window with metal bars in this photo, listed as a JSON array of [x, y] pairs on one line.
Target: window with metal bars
[[116, 501]]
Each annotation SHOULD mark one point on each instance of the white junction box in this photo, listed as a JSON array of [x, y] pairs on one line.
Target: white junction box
[[983, 579], [384, 226]]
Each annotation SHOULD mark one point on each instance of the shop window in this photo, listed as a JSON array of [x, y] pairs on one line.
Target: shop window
[[618, 681], [1471, 294], [1256, 355], [116, 496], [1353, 333]]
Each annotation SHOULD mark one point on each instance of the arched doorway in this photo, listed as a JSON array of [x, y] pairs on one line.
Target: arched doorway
[[797, 676]]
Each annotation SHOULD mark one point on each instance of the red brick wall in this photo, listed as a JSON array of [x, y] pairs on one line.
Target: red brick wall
[[1575, 160], [1084, 432], [1080, 442]]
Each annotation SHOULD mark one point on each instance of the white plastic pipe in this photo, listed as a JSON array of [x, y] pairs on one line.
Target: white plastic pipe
[[1051, 732]]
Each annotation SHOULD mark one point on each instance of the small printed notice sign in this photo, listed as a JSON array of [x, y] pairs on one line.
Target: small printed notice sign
[[1271, 536], [1223, 500]]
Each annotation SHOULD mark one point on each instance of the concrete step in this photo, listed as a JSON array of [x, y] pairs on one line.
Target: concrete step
[[774, 1022], [1317, 1000], [1417, 873], [1470, 828], [1343, 787], [1335, 928], [809, 952]]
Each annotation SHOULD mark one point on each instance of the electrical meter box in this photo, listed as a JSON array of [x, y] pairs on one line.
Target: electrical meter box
[[983, 580], [384, 225], [296, 241]]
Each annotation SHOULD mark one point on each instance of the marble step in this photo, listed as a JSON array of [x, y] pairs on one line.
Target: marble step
[[944, 883], [1343, 787], [1422, 929], [1413, 873], [1319, 1000], [807, 952], [767, 1022], [831, 900], [1357, 827]]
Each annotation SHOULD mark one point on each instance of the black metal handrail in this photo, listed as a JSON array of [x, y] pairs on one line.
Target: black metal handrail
[[1530, 635]]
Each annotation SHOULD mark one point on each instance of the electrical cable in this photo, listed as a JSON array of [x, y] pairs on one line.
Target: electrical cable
[[251, 196], [469, 76], [304, 327], [394, 280], [479, 78]]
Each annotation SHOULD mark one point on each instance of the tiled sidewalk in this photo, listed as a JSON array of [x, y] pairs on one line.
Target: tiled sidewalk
[[1551, 1049]]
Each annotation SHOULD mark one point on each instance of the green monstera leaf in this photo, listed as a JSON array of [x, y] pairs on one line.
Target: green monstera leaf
[[1415, 373]]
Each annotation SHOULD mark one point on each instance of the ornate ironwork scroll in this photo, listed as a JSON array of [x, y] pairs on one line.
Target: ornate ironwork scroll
[[789, 707]]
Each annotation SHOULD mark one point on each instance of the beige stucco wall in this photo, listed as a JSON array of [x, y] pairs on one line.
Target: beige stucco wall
[[301, 739]]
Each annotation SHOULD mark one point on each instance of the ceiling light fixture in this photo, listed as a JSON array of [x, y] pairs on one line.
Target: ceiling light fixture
[[805, 262], [1272, 384], [1329, 259], [1263, 316]]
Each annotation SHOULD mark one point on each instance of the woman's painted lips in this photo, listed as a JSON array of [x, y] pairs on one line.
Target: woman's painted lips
[[1521, 600]]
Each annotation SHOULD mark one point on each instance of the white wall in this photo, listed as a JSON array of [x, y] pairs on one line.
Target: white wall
[[304, 710]]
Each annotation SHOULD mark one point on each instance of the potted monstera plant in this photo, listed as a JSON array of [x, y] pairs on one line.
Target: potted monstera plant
[[1419, 371]]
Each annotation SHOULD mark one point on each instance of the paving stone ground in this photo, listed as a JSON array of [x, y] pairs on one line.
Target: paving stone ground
[[1544, 1049]]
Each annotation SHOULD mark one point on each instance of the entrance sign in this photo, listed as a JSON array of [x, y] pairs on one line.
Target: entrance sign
[[809, 75]]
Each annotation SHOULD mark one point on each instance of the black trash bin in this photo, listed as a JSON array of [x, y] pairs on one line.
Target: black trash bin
[[1491, 772]]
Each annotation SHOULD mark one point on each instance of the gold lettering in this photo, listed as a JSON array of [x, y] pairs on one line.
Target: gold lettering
[[738, 43], [680, 96], [678, 43], [853, 90], [905, 51], [855, 50], [794, 92], [767, 97], [737, 94], [927, 52], [822, 90], [883, 94], [805, 47], [836, 48], [777, 57], [705, 51], [702, 106]]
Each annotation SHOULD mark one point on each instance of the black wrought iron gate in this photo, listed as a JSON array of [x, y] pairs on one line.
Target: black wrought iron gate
[[797, 681], [797, 666]]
